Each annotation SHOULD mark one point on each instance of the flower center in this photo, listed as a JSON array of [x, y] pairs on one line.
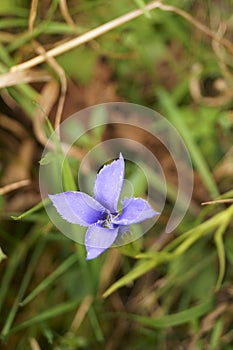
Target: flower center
[[108, 221]]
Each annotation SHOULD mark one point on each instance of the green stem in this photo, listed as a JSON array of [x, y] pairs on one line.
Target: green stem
[[220, 247]]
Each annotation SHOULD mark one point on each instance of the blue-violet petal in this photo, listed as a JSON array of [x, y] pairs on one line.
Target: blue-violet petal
[[98, 239], [108, 184], [78, 208], [134, 210]]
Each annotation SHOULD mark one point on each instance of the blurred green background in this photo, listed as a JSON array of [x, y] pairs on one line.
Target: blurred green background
[[164, 291]]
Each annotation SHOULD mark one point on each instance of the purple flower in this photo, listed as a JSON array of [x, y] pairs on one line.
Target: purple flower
[[100, 213]]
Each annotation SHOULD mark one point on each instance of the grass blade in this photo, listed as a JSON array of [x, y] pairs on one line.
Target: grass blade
[[51, 278], [141, 4], [175, 319], [220, 247], [27, 276], [48, 314], [32, 210], [18, 254], [138, 271], [197, 157]]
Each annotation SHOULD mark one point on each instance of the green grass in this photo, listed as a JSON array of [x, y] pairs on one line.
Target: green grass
[[162, 291]]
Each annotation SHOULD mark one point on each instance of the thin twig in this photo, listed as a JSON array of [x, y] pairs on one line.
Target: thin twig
[[32, 15], [86, 37], [28, 76], [195, 89], [81, 313], [13, 126], [218, 201], [52, 63], [34, 344], [198, 25], [94, 33], [14, 186], [45, 105], [60, 72], [219, 53], [65, 13]]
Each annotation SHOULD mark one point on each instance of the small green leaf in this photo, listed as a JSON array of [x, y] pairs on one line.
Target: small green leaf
[[47, 159]]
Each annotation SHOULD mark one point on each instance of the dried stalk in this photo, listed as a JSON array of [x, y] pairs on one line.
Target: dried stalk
[[94, 33]]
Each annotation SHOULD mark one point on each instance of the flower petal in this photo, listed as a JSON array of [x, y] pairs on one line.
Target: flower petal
[[78, 208], [98, 239], [123, 231], [135, 210], [108, 184]]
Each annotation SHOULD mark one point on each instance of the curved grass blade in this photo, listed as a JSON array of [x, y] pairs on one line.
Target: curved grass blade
[[220, 247], [175, 319], [139, 270]]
